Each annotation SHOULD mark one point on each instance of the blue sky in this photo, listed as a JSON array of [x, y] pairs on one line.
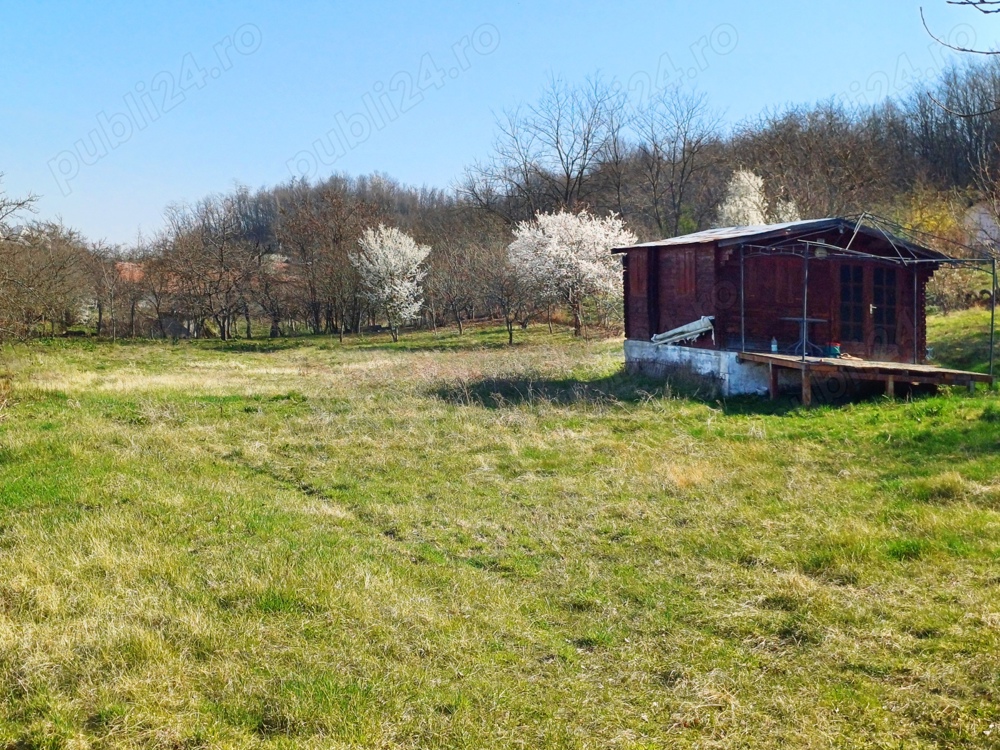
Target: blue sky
[[110, 112]]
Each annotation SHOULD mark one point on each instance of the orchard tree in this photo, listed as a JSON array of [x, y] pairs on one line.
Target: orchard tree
[[212, 266], [45, 277], [390, 264], [511, 291], [570, 257]]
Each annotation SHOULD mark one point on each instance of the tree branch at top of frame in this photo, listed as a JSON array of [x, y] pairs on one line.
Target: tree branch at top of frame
[[985, 7], [978, 5]]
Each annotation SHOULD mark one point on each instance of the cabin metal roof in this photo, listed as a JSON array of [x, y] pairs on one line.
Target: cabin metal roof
[[727, 233], [770, 233]]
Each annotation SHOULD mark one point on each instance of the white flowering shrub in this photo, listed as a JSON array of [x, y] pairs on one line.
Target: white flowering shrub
[[390, 264], [569, 256]]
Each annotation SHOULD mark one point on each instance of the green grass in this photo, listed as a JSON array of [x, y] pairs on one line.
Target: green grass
[[452, 543], [961, 339]]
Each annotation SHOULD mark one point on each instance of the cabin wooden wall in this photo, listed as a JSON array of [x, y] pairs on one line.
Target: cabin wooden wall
[[686, 287], [667, 288], [636, 283], [923, 277], [773, 290]]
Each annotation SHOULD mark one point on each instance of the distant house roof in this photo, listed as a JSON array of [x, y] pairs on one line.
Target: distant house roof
[[728, 236], [129, 271]]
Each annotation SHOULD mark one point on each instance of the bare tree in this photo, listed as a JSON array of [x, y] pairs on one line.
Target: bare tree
[[460, 238], [986, 7], [162, 288], [507, 183], [616, 157], [676, 131], [572, 127], [317, 231], [510, 290], [46, 276], [10, 207], [212, 266], [822, 158], [546, 154], [106, 271], [12, 244], [983, 6]]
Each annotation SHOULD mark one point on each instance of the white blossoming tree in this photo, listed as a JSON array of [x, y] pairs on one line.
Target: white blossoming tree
[[569, 256], [390, 264], [745, 204]]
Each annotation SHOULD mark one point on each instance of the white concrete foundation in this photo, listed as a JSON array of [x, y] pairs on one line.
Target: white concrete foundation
[[720, 370]]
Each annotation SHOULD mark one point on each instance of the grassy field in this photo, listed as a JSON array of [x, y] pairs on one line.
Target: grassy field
[[961, 339], [452, 543]]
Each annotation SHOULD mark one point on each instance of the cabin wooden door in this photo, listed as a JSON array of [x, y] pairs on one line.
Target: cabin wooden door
[[884, 313], [869, 297]]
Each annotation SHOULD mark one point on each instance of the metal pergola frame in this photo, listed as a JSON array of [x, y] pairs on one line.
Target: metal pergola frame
[[908, 255]]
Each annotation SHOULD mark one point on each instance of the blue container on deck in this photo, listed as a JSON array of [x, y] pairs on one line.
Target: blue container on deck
[[831, 350]]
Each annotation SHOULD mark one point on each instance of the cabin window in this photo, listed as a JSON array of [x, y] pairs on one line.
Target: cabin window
[[852, 321], [884, 301]]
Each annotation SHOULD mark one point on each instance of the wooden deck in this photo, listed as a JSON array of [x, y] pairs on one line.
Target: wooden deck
[[889, 373]]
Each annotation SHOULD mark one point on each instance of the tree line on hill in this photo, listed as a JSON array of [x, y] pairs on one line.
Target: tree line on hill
[[523, 236]]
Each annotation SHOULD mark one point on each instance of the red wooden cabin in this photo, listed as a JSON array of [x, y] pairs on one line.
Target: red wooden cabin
[[855, 285]]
